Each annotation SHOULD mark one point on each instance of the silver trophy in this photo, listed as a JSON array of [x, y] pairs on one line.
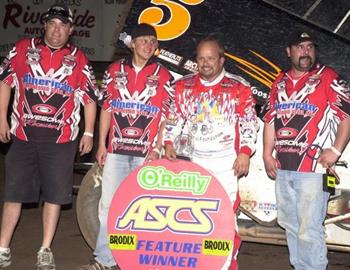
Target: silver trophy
[[184, 146]]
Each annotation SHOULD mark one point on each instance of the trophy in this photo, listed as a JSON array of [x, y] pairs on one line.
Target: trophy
[[184, 146]]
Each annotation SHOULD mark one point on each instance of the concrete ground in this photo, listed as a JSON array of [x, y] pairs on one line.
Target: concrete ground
[[70, 249]]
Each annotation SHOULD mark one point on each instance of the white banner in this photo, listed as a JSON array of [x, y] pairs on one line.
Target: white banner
[[97, 22]]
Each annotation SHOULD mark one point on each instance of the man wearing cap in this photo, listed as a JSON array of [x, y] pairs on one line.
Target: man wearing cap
[[308, 110], [51, 78], [136, 97]]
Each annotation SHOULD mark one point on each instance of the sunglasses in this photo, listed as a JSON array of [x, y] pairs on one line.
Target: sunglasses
[[59, 12]]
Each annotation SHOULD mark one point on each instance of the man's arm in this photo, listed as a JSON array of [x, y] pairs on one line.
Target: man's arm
[[105, 120], [248, 129], [169, 134], [330, 155], [86, 141], [271, 164], [155, 152], [173, 125], [5, 94]]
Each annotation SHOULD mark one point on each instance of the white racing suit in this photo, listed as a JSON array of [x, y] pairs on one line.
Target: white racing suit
[[211, 123]]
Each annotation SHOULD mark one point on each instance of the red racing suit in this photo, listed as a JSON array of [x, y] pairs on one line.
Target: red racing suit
[[306, 114], [49, 87], [213, 122], [138, 102]]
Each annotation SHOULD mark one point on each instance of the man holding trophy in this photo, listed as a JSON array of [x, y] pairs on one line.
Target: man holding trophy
[[213, 123]]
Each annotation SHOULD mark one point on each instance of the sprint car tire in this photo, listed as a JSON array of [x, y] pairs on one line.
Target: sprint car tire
[[87, 204]]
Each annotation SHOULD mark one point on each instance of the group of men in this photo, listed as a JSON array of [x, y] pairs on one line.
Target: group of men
[[143, 112]]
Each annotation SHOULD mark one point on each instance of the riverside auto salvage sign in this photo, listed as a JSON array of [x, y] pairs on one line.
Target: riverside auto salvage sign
[[171, 215]]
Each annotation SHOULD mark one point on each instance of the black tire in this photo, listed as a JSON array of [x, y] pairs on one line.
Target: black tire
[[87, 204]]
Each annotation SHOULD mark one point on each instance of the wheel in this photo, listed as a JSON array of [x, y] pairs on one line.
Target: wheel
[[87, 204]]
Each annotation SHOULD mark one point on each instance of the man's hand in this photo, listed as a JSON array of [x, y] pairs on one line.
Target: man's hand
[[271, 166], [101, 155], [152, 155], [85, 145], [5, 135], [170, 152], [241, 165], [327, 158]]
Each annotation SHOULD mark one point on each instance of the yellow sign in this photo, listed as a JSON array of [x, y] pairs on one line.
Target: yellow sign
[[216, 247], [122, 241]]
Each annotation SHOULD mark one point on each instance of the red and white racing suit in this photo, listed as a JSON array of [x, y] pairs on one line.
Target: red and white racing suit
[[214, 121], [306, 114], [49, 87], [138, 102]]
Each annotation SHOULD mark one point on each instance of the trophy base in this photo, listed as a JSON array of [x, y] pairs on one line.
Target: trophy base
[[183, 157]]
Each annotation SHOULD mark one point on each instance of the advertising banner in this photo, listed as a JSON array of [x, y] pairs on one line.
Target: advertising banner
[[255, 37], [171, 215], [253, 33], [96, 23]]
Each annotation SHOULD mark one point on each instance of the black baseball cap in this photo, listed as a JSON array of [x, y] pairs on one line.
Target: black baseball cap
[[299, 36], [143, 29], [59, 11]]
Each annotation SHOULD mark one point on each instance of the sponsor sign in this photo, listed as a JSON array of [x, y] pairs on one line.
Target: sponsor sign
[[254, 36], [171, 215], [95, 25]]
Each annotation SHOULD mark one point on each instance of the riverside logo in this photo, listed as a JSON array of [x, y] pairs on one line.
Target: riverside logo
[[47, 86]]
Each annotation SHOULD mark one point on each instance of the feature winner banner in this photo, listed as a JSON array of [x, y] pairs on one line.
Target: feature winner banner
[[171, 215], [96, 23]]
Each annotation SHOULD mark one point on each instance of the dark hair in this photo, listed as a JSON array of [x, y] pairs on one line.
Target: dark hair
[[143, 29], [211, 39]]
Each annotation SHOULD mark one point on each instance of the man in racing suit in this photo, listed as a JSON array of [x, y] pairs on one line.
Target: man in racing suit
[[308, 111], [214, 123], [136, 97], [51, 78]]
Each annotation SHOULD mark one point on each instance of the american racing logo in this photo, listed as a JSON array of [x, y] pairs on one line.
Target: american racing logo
[[131, 107], [287, 109], [46, 86]]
